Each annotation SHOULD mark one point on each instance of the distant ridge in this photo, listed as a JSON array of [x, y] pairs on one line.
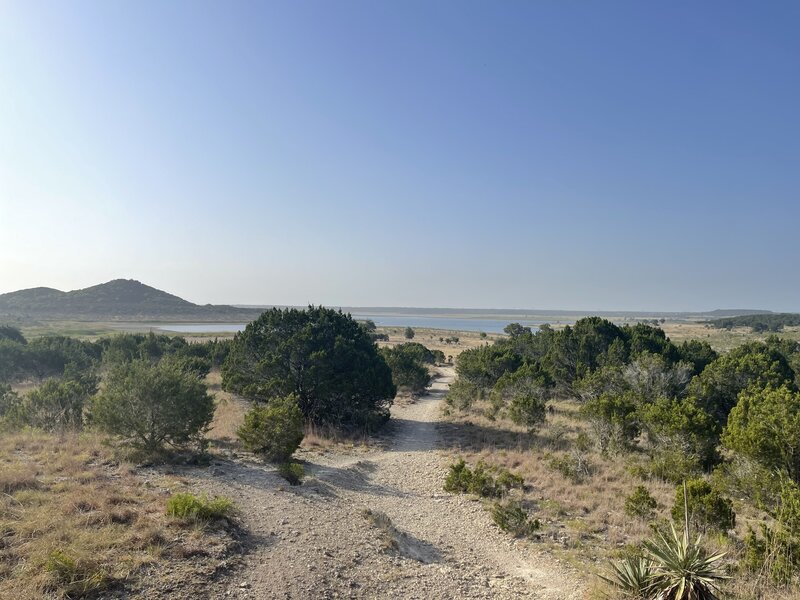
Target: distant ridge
[[117, 300]]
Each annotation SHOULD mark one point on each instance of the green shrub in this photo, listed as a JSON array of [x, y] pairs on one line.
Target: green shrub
[[458, 478], [150, 405], [708, 509], [481, 481], [407, 363], [292, 472], [613, 419], [669, 464], [506, 480], [322, 356], [55, 405], [765, 426], [274, 430], [640, 503], [511, 517], [775, 552], [199, 508]]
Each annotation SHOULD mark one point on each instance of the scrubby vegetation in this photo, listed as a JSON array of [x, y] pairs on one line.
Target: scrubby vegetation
[[759, 322], [153, 405], [624, 410], [185, 505], [322, 356], [273, 430]]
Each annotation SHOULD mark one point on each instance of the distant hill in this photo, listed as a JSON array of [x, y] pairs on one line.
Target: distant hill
[[117, 300]]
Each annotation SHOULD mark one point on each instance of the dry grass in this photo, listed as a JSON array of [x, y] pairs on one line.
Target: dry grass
[[229, 414], [73, 520], [430, 339], [584, 521], [720, 339]]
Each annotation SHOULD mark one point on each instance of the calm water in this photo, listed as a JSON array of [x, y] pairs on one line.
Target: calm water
[[451, 323]]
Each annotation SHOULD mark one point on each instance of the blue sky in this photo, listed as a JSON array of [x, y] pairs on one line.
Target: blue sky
[[559, 155]]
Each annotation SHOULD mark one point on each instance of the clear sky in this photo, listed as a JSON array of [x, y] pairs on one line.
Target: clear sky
[[539, 154]]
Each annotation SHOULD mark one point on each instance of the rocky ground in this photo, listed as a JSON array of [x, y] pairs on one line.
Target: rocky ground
[[375, 523]]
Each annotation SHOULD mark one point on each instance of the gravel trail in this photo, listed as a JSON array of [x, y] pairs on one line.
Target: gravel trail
[[313, 540]]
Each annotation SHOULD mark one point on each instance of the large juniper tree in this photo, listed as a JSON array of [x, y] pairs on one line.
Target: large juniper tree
[[322, 356]]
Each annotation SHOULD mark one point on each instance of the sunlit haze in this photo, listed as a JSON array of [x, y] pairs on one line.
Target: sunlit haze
[[551, 155]]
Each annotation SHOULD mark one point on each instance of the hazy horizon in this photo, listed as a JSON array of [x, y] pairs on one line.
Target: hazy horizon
[[601, 157]]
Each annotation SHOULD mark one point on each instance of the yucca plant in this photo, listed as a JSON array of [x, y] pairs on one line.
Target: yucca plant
[[633, 575], [681, 569]]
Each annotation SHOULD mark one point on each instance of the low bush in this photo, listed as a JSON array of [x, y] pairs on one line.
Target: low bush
[[640, 503], [274, 430], [292, 472], [199, 508], [774, 553], [708, 509], [484, 481], [511, 517], [150, 405], [672, 465]]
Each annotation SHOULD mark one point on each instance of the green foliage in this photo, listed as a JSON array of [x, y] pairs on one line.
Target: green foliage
[[485, 365], [511, 517], [681, 426], [199, 508], [682, 570], [483, 481], [607, 379], [293, 472], [756, 365], [613, 420], [409, 333], [669, 464], [760, 322], [697, 353], [645, 338], [150, 405], [765, 426], [49, 356], [514, 330], [633, 575], [320, 355], [672, 568], [7, 332], [407, 362], [274, 430], [640, 503], [524, 393], [462, 394], [708, 509], [775, 552], [57, 404]]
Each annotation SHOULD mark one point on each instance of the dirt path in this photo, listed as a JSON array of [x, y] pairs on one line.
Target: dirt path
[[313, 541]]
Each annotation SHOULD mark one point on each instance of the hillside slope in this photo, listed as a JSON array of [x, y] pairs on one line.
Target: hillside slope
[[120, 299]]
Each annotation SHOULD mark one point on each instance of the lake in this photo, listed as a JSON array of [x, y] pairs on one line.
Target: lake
[[448, 323]]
